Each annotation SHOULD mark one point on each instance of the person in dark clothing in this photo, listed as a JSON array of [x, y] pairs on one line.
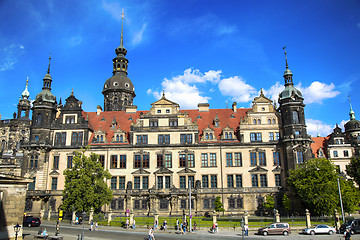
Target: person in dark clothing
[[347, 235]]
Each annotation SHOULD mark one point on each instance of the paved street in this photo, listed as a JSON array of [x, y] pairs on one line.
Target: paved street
[[110, 233]]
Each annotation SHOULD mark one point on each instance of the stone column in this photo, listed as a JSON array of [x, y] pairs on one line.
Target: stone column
[[91, 215], [308, 222], [109, 217], [337, 220], [49, 214], [73, 218], [131, 217], [277, 216], [214, 217], [246, 218], [42, 214]]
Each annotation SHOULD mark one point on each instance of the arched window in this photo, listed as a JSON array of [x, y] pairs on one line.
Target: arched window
[[121, 138], [259, 121], [273, 121], [226, 136], [269, 121], [38, 119], [3, 145], [230, 135], [117, 138], [295, 117], [254, 121], [206, 136], [101, 138], [211, 136]]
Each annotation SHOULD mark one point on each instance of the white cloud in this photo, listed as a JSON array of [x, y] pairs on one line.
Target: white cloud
[[342, 124], [274, 91], [9, 56], [315, 127], [75, 41], [318, 91], [138, 36], [237, 89], [113, 8]]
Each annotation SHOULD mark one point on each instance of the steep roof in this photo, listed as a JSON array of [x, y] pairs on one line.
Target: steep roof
[[318, 142]]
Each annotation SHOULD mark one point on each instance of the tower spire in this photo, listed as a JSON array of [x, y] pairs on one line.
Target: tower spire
[[25, 94], [48, 71], [122, 28], [287, 74], [351, 113]]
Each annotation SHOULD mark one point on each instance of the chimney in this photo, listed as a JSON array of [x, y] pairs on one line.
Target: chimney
[[98, 110], [234, 108], [203, 107]]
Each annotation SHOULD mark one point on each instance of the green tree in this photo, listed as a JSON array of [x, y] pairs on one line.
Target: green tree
[[85, 184], [269, 204], [353, 169], [316, 184], [218, 205], [286, 202]]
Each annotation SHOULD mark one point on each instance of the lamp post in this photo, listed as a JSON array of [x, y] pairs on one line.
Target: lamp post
[[57, 227], [16, 230], [83, 216], [190, 216], [341, 204]]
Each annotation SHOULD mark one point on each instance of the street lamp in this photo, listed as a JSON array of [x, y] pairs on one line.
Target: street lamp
[[341, 204], [83, 218], [17, 228]]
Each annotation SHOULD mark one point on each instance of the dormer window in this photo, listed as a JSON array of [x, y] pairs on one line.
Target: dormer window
[[159, 111], [167, 110], [173, 122], [153, 123], [339, 141], [70, 119]]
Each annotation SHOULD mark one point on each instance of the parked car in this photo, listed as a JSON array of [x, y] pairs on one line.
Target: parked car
[[352, 225], [275, 228], [31, 221], [319, 229]]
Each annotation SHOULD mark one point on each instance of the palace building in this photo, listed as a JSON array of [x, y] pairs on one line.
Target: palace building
[[153, 155]]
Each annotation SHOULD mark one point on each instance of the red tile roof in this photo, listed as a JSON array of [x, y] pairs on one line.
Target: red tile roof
[[318, 142]]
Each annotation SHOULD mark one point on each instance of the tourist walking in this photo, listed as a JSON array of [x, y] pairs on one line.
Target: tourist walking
[[133, 226], [127, 223], [177, 224], [347, 234], [246, 229], [91, 225]]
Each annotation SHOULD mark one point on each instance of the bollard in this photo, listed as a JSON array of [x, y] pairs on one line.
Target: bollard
[[308, 222]]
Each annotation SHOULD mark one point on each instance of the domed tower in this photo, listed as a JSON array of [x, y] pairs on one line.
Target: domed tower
[[352, 131], [118, 90], [44, 111], [24, 102], [296, 141]]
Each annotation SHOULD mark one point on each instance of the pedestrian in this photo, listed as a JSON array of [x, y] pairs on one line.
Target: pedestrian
[[91, 225], [216, 227], [246, 228], [80, 220], [44, 233], [164, 225], [151, 234], [134, 224], [77, 220], [155, 224], [40, 231], [195, 226], [177, 224], [96, 226], [347, 234], [213, 228], [127, 223], [184, 227]]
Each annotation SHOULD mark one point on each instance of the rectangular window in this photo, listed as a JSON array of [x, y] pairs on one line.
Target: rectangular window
[[183, 203], [76, 138], [255, 137], [168, 160], [164, 203], [113, 182], [276, 156], [336, 154], [277, 180], [300, 157], [141, 139], [239, 203], [160, 138], [205, 181], [254, 180], [144, 204], [160, 183], [137, 161], [212, 159], [182, 159], [231, 203], [167, 138], [136, 182], [230, 181], [145, 182], [121, 182], [182, 138], [69, 162], [191, 161], [102, 160], [54, 182], [173, 122], [32, 184], [163, 138], [206, 203], [229, 159], [263, 180], [167, 182], [136, 204], [346, 153], [159, 160], [213, 181], [262, 160], [238, 181], [238, 159], [182, 182], [192, 181], [258, 137], [146, 162], [123, 161], [186, 138], [277, 136], [56, 162], [114, 161], [204, 160], [253, 160], [271, 136]]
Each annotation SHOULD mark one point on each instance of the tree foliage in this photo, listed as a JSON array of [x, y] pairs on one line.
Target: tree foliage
[[286, 202], [269, 204], [316, 184], [218, 205], [353, 169], [85, 184]]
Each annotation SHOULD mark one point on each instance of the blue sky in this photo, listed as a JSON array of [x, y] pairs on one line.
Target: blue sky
[[195, 50]]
